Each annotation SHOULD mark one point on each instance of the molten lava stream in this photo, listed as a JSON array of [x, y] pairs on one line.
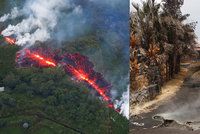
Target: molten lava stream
[[10, 40], [40, 59], [81, 75]]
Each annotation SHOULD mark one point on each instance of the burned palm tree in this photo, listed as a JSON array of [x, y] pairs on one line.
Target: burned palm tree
[[159, 39], [146, 28]]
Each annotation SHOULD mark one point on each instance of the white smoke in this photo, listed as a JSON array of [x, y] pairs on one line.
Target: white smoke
[[15, 12], [40, 19], [124, 103]]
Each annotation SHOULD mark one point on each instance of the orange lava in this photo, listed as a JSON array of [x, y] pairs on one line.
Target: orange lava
[[42, 60], [10, 40], [80, 75]]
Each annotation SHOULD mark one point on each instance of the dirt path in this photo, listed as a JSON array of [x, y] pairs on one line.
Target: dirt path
[[167, 92]]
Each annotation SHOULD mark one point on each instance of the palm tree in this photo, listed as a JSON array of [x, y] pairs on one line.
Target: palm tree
[[176, 32], [146, 26], [162, 39]]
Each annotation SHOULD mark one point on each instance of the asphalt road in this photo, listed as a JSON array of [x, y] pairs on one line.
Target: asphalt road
[[182, 112]]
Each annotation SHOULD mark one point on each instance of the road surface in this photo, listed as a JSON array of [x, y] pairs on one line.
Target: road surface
[[178, 115]]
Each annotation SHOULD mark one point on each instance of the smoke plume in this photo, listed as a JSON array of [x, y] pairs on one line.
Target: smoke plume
[[124, 103], [40, 20], [15, 12]]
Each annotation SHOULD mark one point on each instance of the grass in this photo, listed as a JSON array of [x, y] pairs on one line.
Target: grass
[[12, 130], [37, 126]]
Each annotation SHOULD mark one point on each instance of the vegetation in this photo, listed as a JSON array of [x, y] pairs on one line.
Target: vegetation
[[51, 102], [160, 38], [7, 60]]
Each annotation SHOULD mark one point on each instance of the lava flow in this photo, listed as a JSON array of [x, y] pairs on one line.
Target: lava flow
[[81, 75], [10, 40], [42, 61], [75, 65], [81, 68]]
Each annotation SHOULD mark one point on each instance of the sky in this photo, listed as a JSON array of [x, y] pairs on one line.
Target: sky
[[190, 7]]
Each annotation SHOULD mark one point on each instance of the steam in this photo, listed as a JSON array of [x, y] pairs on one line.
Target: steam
[[183, 113], [124, 103], [40, 20]]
